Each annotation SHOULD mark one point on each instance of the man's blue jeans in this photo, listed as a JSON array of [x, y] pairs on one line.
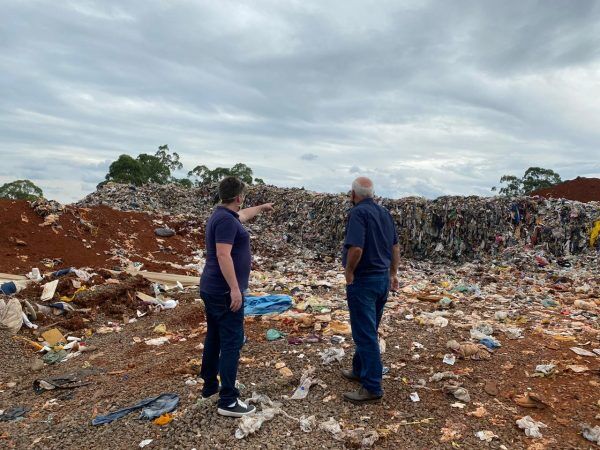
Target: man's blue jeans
[[222, 344], [366, 299]]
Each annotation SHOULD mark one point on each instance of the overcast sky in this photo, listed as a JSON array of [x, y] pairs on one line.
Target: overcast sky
[[425, 97]]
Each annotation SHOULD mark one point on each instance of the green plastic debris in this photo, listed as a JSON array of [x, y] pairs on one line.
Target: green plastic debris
[[273, 334]]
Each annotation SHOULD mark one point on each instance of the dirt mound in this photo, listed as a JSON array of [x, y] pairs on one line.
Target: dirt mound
[[580, 189], [93, 237]]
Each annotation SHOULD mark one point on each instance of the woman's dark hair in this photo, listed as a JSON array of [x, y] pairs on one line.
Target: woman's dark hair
[[230, 188]]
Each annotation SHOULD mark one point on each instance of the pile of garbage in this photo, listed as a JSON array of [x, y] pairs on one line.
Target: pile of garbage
[[458, 228]]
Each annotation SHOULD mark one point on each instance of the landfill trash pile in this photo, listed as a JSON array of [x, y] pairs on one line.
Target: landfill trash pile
[[447, 227], [102, 329], [581, 189]]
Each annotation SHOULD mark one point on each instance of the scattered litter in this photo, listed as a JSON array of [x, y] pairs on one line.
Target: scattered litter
[[449, 359], [545, 369], [157, 341], [145, 443], [13, 413], [49, 290], [152, 408], [414, 396], [306, 381], [592, 434], [273, 334], [456, 389], [582, 352], [486, 435], [531, 427], [332, 354]]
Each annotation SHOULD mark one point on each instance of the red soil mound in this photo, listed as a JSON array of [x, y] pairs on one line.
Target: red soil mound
[[25, 244], [580, 189]]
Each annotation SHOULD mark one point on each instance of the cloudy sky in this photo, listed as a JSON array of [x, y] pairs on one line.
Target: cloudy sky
[[425, 97]]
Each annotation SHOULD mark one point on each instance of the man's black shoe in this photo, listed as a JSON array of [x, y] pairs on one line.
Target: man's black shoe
[[361, 396], [240, 409], [349, 375]]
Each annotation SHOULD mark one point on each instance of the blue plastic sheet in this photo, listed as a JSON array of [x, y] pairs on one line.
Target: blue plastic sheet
[[152, 408], [8, 288], [266, 304]]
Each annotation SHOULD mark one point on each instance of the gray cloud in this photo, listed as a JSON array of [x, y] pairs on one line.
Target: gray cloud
[[425, 97], [309, 156]]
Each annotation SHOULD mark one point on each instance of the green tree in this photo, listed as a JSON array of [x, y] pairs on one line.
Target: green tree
[[147, 168], [534, 178], [206, 176], [126, 170], [20, 190], [168, 159]]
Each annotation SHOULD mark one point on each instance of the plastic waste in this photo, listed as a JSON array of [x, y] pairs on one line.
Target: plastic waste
[[332, 354], [307, 423], [440, 376], [8, 288], [592, 434], [486, 435], [273, 334], [490, 342], [545, 369], [531, 427], [414, 396], [331, 426], [456, 389], [252, 423], [145, 443], [306, 381], [11, 315], [152, 408]]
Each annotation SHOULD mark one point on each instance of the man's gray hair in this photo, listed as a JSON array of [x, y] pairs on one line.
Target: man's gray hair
[[363, 187]]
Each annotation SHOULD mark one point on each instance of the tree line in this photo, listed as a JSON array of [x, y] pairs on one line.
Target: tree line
[[159, 168]]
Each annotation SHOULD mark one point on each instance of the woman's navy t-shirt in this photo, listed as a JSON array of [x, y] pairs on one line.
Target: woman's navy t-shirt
[[224, 227]]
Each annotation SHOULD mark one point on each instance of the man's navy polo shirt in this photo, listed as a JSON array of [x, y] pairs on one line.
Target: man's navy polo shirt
[[372, 228], [224, 227]]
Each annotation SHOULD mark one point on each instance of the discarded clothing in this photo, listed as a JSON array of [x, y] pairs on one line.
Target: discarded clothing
[[152, 408], [13, 413], [60, 382], [267, 304]]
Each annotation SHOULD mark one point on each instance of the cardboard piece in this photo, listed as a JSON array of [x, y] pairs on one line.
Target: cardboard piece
[[53, 336]]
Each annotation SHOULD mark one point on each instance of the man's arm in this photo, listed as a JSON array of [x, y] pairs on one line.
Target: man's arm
[[228, 271], [394, 267], [248, 214], [353, 258]]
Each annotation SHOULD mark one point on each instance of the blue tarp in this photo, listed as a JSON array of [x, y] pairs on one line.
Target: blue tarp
[[151, 409], [267, 304]]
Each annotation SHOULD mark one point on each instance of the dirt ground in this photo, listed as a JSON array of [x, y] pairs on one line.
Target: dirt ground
[[113, 235]]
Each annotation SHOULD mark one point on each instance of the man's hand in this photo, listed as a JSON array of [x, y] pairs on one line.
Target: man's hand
[[349, 277], [394, 284], [236, 300], [267, 207]]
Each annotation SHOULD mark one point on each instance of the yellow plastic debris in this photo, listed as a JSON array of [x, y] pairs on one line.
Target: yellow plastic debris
[[595, 233], [164, 419]]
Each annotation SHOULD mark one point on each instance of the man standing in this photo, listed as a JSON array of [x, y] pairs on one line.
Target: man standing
[[371, 257], [224, 279]]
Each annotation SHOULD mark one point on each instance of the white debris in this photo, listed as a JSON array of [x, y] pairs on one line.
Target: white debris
[[531, 427]]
